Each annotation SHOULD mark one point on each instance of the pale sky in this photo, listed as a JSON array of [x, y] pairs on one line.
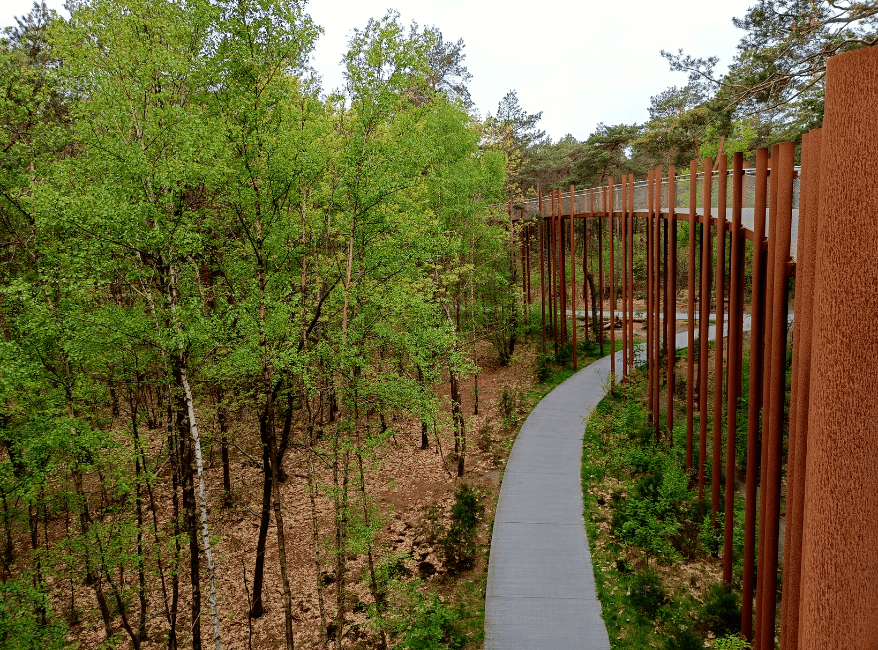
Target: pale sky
[[579, 63]]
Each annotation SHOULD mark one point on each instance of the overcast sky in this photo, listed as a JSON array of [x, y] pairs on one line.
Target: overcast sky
[[579, 63]]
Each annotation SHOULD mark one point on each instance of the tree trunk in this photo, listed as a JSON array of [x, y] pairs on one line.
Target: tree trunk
[[324, 638]]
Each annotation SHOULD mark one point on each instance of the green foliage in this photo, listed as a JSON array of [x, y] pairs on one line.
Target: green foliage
[[731, 642], [26, 619], [458, 546], [647, 593], [417, 619], [721, 612]]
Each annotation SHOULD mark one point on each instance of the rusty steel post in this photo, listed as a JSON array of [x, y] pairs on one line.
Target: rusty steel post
[[585, 295], [757, 329], [562, 261], [611, 197], [839, 590], [541, 224], [802, 345], [666, 318], [671, 296], [623, 246], [722, 198], [771, 243], [733, 364], [554, 252], [650, 373], [703, 323], [785, 171], [690, 308], [601, 270], [631, 271], [573, 274], [657, 322]]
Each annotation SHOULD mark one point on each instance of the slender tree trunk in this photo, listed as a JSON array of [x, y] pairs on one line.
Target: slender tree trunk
[[279, 521], [341, 529], [138, 506], [176, 455], [377, 594], [189, 512], [221, 417], [318, 564], [457, 417], [259, 568]]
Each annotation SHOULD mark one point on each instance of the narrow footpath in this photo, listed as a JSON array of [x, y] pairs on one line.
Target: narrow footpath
[[541, 591]]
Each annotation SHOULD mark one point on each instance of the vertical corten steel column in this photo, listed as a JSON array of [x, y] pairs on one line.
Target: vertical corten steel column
[[784, 172], [733, 381], [650, 371], [771, 243], [554, 254], [573, 273], [666, 318], [722, 197], [611, 197], [757, 329], [562, 259], [809, 200], [690, 309], [541, 224], [657, 322], [703, 322], [671, 295], [600, 221], [631, 271], [623, 245], [839, 591], [585, 296]]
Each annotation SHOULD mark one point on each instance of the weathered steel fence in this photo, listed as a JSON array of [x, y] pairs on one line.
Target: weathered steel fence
[[816, 226]]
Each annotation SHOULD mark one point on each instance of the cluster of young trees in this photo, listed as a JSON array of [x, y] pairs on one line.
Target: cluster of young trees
[[194, 237]]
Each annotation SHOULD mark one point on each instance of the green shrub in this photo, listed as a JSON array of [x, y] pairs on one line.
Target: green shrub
[[458, 545], [418, 620], [650, 517], [21, 627], [648, 593], [731, 642], [721, 611], [685, 639]]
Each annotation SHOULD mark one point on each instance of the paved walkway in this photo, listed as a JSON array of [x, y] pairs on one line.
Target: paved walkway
[[541, 591]]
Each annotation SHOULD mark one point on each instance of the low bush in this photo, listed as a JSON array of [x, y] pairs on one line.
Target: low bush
[[647, 593], [458, 545]]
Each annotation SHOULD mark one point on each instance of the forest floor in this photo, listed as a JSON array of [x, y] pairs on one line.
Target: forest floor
[[412, 491]]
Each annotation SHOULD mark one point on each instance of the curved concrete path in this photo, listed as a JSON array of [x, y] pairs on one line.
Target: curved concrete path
[[541, 591]]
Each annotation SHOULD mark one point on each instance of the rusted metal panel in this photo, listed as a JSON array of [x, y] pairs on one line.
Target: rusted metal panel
[[778, 323], [771, 243], [733, 382], [802, 346], [656, 302], [671, 296], [703, 322], [623, 245], [719, 317], [757, 340], [690, 323], [650, 356], [612, 306], [839, 588], [631, 270], [573, 275]]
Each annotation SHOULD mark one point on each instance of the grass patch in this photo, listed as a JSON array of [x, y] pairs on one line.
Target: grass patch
[[654, 549]]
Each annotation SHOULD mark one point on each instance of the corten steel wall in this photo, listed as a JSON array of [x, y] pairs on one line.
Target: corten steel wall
[[839, 577]]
